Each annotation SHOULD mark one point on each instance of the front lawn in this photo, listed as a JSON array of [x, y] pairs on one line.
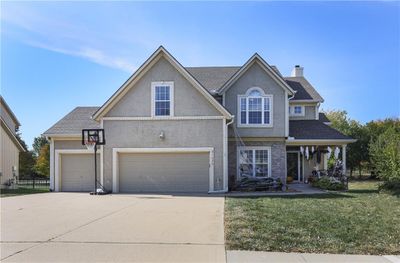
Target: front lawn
[[21, 191], [360, 221]]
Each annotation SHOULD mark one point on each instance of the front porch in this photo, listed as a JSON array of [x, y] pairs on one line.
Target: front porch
[[305, 159]]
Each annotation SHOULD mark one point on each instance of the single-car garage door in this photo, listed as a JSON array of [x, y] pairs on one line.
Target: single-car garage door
[[77, 172], [164, 172]]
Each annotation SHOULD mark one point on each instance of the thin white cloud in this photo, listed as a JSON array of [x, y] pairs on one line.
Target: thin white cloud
[[61, 36], [94, 55]]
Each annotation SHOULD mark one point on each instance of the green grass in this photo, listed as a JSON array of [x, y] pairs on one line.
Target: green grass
[[22, 191], [360, 221]]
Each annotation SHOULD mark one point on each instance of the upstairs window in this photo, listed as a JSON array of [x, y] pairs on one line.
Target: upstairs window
[[162, 99], [296, 110], [255, 108]]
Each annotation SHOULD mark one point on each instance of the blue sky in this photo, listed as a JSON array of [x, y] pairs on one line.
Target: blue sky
[[56, 56]]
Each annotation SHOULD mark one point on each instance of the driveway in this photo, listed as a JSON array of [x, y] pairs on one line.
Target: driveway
[[77, 227]]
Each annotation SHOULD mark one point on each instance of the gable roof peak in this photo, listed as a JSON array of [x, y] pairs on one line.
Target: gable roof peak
[[143, 69], [269, 69]]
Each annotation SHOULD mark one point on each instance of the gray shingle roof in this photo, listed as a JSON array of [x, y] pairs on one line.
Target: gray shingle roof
[[305, 91], [314, 129], [212, 78], [73, 123], [322, 117], [275, 68]]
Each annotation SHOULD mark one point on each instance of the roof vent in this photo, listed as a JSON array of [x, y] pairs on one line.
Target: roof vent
[[297, 71]]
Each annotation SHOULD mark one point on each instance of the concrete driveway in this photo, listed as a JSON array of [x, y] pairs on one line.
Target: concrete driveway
[[77, 227]]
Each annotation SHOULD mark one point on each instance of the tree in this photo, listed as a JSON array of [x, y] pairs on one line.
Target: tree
[[357, 153], [20, 140], [42, 166], [385, 156], [27, 161], [339, 120], [375, 128], [38, 144]]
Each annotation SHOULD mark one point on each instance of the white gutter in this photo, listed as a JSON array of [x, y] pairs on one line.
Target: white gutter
[[225, 152], [287, 113]]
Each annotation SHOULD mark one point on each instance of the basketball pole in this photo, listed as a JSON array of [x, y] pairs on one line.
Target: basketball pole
[[95, 168]]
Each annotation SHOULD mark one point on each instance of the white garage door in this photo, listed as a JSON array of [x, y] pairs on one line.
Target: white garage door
[[164, 172], [77, 172]]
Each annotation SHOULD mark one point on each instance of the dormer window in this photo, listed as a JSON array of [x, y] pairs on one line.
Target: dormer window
[[162, 95], [296, 110], [255, 109]]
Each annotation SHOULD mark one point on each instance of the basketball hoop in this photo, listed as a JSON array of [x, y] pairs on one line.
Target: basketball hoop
[[91, 138], [90, 145]]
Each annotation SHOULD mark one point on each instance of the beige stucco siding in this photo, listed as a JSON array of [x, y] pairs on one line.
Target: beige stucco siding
[[9, 157], [68, 144], [187, 100], [255, 76], [146, 134]]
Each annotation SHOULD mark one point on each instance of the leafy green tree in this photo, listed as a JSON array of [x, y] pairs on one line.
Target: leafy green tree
[[38, 143], [385, 156], [375, 128], [42, 166], [357, 153], [27, 161], [339, 120], [20, 140]]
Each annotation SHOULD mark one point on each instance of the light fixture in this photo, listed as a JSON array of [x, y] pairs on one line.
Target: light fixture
[[162, 135]]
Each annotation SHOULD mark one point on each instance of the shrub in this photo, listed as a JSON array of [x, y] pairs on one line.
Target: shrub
[[328, 183], [385, 156]]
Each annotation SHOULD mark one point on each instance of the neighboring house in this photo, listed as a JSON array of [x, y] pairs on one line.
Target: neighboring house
[[10, 146], [171, 128]]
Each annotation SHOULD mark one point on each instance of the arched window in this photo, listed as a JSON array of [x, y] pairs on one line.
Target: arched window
[[255, 108]]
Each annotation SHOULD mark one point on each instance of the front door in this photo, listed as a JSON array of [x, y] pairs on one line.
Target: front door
[[293, 166]]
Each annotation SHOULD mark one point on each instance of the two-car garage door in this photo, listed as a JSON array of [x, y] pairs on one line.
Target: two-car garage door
[[164, 172], [140, 172]]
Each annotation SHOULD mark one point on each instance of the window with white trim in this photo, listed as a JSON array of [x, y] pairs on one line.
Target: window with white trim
[[254, 162], [162, 98], [255, 108], [296, 110]]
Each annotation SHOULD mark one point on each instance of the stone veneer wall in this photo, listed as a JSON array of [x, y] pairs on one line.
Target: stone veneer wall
[[278, 156]]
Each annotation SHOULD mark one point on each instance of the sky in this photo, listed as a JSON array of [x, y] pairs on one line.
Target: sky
[[56, 56]]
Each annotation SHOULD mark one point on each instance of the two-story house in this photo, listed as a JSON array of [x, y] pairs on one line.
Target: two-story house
[[171, 128], [10, 145]]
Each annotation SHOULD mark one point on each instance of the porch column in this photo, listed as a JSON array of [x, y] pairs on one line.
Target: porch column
[[325, 161], [344, 157]]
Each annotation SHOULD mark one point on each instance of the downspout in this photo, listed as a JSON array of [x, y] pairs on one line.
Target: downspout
[[288, 136], [233, 119], [226, 165], [288, 113], [317, 111]]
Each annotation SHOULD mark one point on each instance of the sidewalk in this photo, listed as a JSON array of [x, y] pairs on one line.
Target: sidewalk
[[280, 257]]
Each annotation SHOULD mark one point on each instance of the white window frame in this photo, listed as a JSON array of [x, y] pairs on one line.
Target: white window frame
[[171, 98], [271, 107], [293, 113], [253, 148]]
